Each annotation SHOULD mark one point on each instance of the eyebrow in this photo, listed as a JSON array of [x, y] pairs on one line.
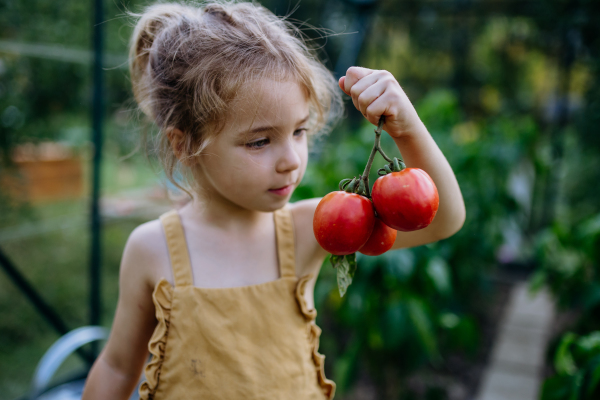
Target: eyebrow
[[268, 128]]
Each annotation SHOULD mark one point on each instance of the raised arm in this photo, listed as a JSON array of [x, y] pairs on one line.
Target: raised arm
[[117, 370], [376, 93]]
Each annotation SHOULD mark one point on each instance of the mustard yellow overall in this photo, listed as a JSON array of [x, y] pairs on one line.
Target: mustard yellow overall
[[250, 342]]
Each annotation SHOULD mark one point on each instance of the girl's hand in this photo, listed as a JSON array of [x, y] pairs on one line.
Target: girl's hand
[[376, 93]]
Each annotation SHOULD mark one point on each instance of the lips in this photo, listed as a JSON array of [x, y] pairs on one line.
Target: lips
[[282, 191]]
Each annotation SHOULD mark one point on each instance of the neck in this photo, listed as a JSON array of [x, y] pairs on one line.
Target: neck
[[209, 208], [215, 211]]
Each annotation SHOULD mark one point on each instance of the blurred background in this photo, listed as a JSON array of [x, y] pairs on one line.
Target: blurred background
[[508, 308]]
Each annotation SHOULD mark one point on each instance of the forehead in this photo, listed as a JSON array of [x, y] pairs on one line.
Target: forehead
[[267, 102]]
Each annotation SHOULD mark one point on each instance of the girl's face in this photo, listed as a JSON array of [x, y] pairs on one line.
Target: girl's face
[[260, 156]]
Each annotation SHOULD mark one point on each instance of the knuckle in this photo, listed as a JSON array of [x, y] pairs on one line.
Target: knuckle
[[361, 98], [396, 97], [389, 79]]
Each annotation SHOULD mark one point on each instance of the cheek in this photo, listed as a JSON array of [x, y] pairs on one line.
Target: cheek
[[223, 173], [253, 168], [304, 158], [303, 150], [303, 154], [247, 173]]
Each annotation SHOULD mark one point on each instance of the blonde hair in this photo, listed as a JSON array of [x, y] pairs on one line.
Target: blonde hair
[[187, 63]]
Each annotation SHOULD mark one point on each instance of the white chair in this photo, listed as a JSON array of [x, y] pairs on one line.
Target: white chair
[[41, 387]]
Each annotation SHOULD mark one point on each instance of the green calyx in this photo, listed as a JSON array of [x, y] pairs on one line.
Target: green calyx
[[354, 185], [344, 183], [396, 165]]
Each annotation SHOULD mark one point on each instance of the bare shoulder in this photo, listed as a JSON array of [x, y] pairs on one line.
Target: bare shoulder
[[146, 252], [310, 255]]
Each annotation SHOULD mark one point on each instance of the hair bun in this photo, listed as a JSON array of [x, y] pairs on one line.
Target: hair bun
[[149, 26]]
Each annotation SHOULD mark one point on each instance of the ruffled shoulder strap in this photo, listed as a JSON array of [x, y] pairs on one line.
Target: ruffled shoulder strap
[[178, 251], [284, 229]]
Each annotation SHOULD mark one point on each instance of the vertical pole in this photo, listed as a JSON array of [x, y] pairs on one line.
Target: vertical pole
[[32, 295], [560, 120], [97, 115]]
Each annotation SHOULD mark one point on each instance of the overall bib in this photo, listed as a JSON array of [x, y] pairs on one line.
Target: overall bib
[[249, 343]]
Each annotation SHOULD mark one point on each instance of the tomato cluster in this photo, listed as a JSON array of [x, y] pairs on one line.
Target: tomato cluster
[[351, 220], [345, 223]]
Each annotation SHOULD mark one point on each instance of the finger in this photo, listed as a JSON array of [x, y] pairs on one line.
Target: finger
[[341, 84], [362, 85], [369, 95], [353, 75], [385, 105]]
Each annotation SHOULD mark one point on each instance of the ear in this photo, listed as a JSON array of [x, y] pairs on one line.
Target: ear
[[177, 139]]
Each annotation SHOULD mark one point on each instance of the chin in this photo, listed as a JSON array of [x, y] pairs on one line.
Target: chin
[[275, 205]]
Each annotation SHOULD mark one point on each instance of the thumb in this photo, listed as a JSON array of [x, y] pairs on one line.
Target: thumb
[[341, 84]]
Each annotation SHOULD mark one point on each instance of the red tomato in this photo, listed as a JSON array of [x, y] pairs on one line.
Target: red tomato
[[406, 200], [343, 222], [381, 240]]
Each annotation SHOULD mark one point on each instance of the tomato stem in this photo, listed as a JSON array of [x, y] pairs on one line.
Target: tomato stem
[[376, 148]]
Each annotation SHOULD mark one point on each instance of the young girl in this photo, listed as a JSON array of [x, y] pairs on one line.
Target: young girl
[[221, 291]]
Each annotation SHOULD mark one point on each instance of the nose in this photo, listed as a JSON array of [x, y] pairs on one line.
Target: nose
[[289, 158]]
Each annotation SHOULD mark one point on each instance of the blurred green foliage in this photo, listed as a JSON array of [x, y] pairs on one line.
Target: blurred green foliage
[[577, 365], [512, 97]]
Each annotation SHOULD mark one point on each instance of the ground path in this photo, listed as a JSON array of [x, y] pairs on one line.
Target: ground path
[[514, 371]]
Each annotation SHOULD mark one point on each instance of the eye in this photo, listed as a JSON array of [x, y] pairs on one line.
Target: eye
[[257, 144], [299, 132]]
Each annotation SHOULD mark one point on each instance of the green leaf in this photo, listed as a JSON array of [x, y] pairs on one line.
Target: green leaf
[[563, 360], [590, 342], [346, 268]]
